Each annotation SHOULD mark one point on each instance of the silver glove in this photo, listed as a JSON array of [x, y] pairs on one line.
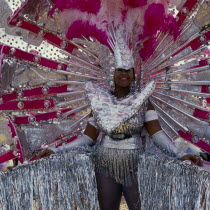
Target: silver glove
[[162, 140], [79, 142]]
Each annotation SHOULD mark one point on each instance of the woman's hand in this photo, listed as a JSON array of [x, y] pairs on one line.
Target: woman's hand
[[193, 159], [45, 153]]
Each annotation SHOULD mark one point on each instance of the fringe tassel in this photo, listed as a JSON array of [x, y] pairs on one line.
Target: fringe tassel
[[167, 184], [67, 181], [119, 164], [61, 182]]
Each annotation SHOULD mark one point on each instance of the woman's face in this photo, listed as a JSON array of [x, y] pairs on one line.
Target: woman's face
[[123, 77]]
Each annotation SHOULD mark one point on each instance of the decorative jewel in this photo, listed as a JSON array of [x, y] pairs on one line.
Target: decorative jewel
[[204, 102], [20, 105], [60, 66], [15, 153], [41, 33], [63, 44], [19, 23], [31, 119], [45, 90], [47, 104], [59, 114], [37, 59], [195, 139], [15, 140], [20, 94], [12, 51], [12, 117], [185, 11], [202, 38]]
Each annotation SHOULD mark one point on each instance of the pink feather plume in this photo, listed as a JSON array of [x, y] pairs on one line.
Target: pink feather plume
[[80, 28]]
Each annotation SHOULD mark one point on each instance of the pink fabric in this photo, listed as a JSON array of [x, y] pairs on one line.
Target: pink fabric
[[201, 114], [201, 63], [19, 147], [30, 57], [189, 5], [57, 41], [34, 92], [80, 28], [40, 117], [201, 144], [35, 104], [90, 6], [204, 89], [135, 3], [7, 156]]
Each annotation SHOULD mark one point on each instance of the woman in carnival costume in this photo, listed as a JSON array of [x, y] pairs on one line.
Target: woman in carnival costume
[[120, 113], [119, 116]]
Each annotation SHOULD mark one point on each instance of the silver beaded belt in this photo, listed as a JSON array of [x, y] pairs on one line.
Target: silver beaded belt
[[135, 142], [120, 136]]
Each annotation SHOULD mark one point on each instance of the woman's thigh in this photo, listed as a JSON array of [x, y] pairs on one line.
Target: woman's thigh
[[109, 192], [131, 194]]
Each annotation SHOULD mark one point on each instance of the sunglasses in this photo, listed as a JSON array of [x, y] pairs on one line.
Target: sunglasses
[[131, 70]]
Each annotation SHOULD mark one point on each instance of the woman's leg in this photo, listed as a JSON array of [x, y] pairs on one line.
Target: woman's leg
[[131, 194], [109, 192]]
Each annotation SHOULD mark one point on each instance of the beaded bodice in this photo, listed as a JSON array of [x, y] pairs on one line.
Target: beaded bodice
[[118, 115]]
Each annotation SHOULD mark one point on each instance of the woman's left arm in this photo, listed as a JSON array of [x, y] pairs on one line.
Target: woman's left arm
[[154, 129]]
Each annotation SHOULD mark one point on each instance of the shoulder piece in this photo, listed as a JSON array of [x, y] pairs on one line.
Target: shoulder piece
[[109, 111]]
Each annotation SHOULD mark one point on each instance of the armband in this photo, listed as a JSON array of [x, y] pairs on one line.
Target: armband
[[151, 115]]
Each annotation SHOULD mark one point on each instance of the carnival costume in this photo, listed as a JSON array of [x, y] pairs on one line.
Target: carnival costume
[[47, 97]]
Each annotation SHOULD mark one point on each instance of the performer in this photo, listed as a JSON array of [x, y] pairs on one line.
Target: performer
[[120, 116]]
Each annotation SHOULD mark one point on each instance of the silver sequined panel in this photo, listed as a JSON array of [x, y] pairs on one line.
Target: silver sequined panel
[[111, 112]]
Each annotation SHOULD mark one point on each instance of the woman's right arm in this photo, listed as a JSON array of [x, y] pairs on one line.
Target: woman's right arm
[[88, 138]]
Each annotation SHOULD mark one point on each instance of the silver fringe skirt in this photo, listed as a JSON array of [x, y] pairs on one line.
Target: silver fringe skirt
[[121, 164]]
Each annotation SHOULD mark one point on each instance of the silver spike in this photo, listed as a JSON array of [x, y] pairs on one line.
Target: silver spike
[[179, 110], [168, 45], [185, 82], [171, 118], [79, 59], [168, 124], [69, 82], [184, 71], [79, 121], [70, 93], [69, 62], [85, 50], [67, 103], [183, 101], [75, 110], [205, 95], [79, 75], [173, 52], [178, 59]]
